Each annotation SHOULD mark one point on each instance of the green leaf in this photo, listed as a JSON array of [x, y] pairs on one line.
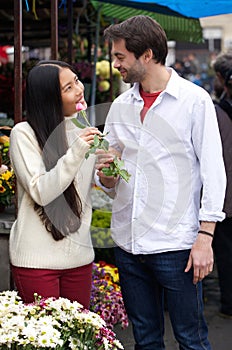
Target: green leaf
[[125, 175], [118, 162], [96, 141], [115, 169], [77, 123], [105, 144], [84, 116], [107, 171]]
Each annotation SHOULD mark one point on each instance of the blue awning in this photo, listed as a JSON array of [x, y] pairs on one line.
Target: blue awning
[[187, 8], [177, 28]]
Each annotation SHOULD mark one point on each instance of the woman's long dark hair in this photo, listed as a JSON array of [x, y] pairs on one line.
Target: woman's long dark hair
[[44, 113]]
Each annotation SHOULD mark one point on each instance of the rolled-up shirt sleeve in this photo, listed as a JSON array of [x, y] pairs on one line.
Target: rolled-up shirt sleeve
[[208, 147]]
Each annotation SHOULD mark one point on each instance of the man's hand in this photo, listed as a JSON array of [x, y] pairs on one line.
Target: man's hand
[[201, 256], [103, 161]]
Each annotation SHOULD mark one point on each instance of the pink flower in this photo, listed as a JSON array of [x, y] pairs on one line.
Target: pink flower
[[80, 107]]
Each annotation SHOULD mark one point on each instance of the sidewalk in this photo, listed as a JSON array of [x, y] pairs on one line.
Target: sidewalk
[[220, 329]]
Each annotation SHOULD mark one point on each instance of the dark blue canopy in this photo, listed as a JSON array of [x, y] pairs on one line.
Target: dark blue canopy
[[187, 8]]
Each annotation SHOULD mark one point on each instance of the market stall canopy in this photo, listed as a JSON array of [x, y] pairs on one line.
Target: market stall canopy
[[176, 26], [187, 8], [36, 21]]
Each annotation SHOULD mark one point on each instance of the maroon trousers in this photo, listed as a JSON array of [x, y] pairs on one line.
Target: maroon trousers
[[74, 284]]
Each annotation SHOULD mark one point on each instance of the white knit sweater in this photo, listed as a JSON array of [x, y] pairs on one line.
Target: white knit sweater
[[30, 243]]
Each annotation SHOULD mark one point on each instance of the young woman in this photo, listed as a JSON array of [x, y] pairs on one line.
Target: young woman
[[50, 246]]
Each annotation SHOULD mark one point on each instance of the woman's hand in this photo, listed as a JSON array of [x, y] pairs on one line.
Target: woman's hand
[[87, 134]]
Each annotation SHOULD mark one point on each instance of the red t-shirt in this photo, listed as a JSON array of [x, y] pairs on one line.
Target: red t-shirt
[[148, 99]]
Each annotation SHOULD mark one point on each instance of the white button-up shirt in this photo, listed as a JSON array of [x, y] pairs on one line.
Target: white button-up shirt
[[176, 166]]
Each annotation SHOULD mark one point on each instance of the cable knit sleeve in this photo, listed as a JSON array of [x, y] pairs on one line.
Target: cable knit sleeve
[[43, 186]]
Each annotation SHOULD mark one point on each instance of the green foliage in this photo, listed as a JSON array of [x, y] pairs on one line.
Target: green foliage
[[116, 169], [100, 229], [101, 236], [101, 218], [99, 142]]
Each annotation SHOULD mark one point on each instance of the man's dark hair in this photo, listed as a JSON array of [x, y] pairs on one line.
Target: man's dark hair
[[140, 33], [223, 64]]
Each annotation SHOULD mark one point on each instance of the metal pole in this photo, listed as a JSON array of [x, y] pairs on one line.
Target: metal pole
[[17, 61], [70, 31], [94, 78], [54, 29]]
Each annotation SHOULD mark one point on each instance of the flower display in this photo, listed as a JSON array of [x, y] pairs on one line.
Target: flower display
[[106, 297], [7, 187], [103, 70], [7, 176], [4, 148], [51, 324], [103, 81]]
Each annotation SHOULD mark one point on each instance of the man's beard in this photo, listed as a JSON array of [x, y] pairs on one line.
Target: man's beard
[[135, 74]]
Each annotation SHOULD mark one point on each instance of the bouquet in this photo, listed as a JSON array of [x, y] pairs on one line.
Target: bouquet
[[115, 169], [51, 324]]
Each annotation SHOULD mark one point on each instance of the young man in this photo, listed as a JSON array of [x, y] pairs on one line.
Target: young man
[[163, 220]]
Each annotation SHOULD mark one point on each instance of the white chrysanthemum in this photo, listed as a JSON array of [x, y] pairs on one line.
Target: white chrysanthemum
[[8, 338], [48, 323], [91, 318]]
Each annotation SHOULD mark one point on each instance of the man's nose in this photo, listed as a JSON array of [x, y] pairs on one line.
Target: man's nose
[[116, 63]]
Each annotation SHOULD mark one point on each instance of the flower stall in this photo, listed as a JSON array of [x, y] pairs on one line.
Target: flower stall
[[61, 324]]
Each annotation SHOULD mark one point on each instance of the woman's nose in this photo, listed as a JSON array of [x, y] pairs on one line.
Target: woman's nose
[[79, 89]]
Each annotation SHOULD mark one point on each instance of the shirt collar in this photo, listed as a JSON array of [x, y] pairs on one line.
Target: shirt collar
[[172, 87]]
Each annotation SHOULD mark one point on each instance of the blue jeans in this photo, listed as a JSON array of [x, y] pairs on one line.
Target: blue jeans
[[144, 279]]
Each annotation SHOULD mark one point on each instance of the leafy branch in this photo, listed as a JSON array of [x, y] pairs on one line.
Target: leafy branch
[[99, 142]]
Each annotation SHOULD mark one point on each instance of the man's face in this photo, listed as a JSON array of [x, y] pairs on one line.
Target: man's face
[[131, 69]]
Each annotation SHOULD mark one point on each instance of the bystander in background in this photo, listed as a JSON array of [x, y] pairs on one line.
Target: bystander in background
[[222, 242]]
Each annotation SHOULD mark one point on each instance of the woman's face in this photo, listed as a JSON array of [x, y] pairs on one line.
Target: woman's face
[[72, 91]]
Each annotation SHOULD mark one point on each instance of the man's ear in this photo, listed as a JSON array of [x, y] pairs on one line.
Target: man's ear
[[148, 54]]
